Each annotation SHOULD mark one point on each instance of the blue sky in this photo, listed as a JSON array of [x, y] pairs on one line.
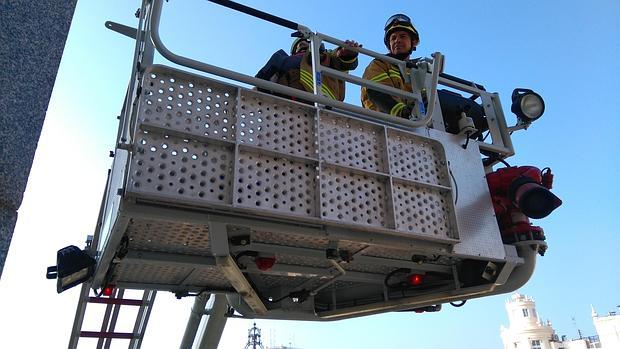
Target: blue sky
[[567, 53]]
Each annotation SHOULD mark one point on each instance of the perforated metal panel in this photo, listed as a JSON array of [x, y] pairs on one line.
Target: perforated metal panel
[[211, 277], [188, 103], [354, 198], [275, 184], [423, 210], [270, 281], [417, 158], [352, 143], [205, 277], [272, 123], [274, 160], [294, 240], [368, 268], [181, 168], [168, 236], [303, 261], [152, 274]]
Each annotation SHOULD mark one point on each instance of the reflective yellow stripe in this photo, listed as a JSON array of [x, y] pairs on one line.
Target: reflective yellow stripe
[[396, 109], [383, 76], [394, 73], [306, 79], [380, 77]]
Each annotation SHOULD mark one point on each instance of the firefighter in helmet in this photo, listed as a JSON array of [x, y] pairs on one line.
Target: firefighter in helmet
[[400, 38], [295, 70]]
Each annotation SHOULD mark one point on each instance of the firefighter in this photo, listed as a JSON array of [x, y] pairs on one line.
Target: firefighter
[[296, 70], [400, 38]]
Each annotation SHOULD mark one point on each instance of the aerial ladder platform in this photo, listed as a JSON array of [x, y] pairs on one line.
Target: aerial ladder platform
[[321, 211]]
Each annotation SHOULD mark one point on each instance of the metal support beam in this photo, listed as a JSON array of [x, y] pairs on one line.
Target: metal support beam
[[198, 310], [212, 330]]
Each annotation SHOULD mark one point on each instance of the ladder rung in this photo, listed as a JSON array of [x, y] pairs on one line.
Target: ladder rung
[[120, 301], [96, 334]]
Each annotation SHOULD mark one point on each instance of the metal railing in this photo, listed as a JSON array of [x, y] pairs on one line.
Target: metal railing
[[148, 40], [316, 97]]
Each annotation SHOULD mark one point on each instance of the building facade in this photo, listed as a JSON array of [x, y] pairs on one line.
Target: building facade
[[528, 331]]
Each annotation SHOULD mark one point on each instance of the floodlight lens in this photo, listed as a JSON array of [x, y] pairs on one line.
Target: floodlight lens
[[72, 278], [527, 105], [532, 106]]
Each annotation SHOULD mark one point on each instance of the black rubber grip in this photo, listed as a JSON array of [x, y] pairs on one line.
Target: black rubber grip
[[256, 13]]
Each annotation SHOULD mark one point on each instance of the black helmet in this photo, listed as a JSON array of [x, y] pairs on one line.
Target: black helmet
[[396, 22]]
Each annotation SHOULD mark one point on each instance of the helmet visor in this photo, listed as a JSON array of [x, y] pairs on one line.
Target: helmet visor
[[397, 18]]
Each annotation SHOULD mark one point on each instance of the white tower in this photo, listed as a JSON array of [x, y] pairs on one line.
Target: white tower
[[526, 330]]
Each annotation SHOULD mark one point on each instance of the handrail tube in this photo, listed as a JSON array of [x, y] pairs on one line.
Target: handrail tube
[[123, 135], [367, 52], [257, 13], [462, 81], [460, 86], [437, 67], [268, 85]]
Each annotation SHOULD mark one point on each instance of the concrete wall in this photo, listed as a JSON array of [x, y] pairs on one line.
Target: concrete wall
[[32, 39]]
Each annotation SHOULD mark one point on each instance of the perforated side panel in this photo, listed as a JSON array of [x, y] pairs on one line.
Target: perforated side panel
[[270, 281], [275, 184], [188, 103], [211, 277], [368, 268], [352, 143], [271, 123], [353, 198], [422, 211], [168, 236], [304, 261], [182, 168], [417, 158], [207, 277], [315, 242], [391, 253], [151, 274]]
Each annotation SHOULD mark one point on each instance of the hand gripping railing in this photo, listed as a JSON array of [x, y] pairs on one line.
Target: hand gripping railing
[[316, 97]]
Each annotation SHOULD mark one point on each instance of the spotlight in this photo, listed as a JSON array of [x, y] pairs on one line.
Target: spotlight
[[527, 105], [73, 266]]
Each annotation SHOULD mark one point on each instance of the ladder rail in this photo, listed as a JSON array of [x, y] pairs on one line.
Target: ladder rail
[[118, 294], [79, 316], [107, 333], [142, 319], [104, 323]]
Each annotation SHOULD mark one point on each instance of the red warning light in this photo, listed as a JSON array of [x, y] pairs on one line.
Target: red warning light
[[415, 279], [264, 263], [108, 290]]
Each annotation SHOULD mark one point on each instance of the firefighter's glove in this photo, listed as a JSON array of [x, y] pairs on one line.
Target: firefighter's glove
[[345, 54]]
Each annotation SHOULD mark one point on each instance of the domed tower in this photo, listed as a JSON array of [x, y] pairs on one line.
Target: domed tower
[[526, 329]]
